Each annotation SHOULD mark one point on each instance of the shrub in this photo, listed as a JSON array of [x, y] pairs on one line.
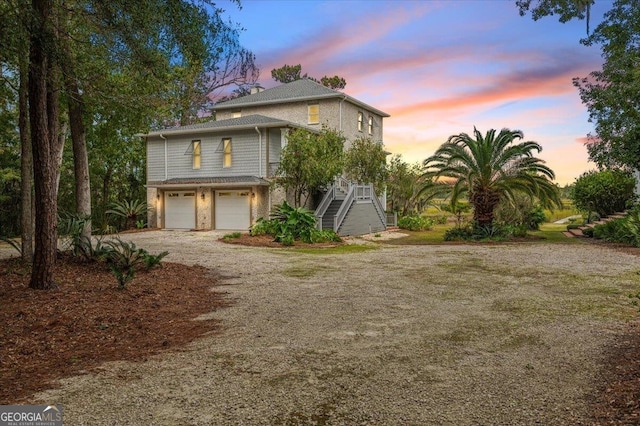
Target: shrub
[[588, 232], [493, 232], [288, 224], [604, 192], [325, 236], [463, 233], [441, 220], [151, 260], [632, 226], [264, 227], [415, 223], [129, 210], [232, 236], [70, 227], [124, 257], [615, 231], [520, 211]]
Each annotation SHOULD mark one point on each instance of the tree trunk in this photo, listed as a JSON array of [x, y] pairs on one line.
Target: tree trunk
[[484, 204], [43, 115], [78, 139], [26, 163]]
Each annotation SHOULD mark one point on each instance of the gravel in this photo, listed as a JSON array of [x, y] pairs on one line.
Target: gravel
[[509, 334]]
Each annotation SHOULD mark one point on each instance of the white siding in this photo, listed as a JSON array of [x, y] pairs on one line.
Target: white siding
[[244, 156], [155, 159]]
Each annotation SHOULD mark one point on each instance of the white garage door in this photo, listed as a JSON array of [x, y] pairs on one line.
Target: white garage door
[[232, 210], [180, 210]]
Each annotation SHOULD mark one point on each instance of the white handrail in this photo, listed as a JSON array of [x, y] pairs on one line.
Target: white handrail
[[344, 208], [329, 196]]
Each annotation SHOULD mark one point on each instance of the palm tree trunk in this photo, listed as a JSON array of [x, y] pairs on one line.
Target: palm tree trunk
[[484, 204]]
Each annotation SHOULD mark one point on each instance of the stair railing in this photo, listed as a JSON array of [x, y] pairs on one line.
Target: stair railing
[[344, 208], [378, 205], [329, 196], [343, 184]]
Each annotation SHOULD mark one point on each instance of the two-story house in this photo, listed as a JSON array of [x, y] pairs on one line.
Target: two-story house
[[217, 175]]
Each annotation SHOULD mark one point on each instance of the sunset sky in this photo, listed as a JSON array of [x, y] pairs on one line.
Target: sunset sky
[[438, 67]]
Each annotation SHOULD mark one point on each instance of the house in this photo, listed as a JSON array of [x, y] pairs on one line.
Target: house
[[218, 174]]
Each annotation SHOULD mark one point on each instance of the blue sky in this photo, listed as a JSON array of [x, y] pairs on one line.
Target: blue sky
[[438, 67]]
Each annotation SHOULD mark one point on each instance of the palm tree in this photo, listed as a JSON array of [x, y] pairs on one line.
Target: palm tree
[[490, 168]]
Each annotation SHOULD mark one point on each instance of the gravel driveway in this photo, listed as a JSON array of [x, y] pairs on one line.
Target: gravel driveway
[[457, 334]]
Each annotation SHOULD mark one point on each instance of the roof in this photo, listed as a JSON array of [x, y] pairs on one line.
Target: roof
[[216, 180], [240, 123], [296, 91]]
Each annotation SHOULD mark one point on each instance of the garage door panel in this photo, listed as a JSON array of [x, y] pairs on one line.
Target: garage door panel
[[180, 210], [233, 209]]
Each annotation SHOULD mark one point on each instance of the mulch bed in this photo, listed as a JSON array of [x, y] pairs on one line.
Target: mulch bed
[[618, 399], [47, 335]]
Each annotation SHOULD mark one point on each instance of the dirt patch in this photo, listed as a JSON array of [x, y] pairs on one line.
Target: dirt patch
[[47, 335]]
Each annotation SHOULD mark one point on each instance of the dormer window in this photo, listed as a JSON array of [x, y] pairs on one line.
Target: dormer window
[[360, 121], [370, 125], [314, 113]]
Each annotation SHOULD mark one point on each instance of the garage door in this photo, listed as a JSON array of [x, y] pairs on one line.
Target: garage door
[[232, 210], [180, 210]]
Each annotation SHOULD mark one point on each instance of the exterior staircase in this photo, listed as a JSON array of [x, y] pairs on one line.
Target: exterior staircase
[[330, 214], [350, 209], [577, 232]]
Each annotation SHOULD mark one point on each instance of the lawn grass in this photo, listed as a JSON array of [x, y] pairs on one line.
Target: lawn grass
[[567, 210], [548, 233]]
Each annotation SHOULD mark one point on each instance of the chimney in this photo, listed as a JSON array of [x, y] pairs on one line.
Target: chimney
[[256, 89]]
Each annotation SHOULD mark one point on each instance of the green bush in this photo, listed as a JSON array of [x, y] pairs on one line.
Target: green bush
[[588, 232], [264, 227], [522, 210], [232, 235], [463, 233], [493, 232], [441, 220], [152, 260], [604, 192], [325, 236], [129, 211], [124, 257], [615, 231], [415, 223], [288, 224]]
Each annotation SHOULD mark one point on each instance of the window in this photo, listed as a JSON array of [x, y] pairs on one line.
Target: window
[[226, 162], [237, 114], [196, 154], [360, 120], [314, 113], [370, 125], [194, 151]]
